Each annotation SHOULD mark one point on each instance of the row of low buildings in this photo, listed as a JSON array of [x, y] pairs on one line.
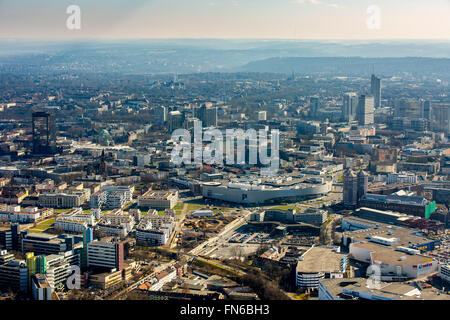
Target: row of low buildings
[[14, 213]]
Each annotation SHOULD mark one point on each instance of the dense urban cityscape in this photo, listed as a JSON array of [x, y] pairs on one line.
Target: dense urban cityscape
[[93, 207], [158, 153]]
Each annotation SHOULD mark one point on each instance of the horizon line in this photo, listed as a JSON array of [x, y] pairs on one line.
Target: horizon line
[[62, 39]]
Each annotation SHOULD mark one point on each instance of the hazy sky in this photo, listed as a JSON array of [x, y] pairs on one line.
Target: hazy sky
[[288, 19]]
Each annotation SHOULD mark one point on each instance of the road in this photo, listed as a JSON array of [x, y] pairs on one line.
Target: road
[[173, 238], [221, 237]]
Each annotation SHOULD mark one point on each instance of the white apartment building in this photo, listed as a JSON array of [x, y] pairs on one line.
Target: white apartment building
[[24, 215], [70, 225]]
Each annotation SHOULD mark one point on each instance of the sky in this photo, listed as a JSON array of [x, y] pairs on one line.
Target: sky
[[228, 19]]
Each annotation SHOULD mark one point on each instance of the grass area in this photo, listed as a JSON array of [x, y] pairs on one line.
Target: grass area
[[195, 206], [178, 212], [42, 226], [211, 267], [284, 208], [60, 210], [179, 206]]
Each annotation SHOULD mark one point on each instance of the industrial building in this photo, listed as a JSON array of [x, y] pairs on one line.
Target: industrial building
[[412, 205], [393, 264], [358, 289], [395, 236]]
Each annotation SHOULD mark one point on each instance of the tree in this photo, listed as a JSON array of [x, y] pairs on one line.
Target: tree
[[266, 290]]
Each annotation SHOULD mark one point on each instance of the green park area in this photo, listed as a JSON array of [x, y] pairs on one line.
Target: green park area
[[298, 207], [195, 206], [43, 226]]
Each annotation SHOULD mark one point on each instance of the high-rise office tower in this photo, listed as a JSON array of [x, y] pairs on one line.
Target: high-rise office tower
[[350, 190], [355, 187], [313, 106], [88, 236], [441, 117], [106, 255], [408, 108], [44, 133], [175, 120], [375, 90], [15, 236], [426, 110], [160, 114], [207, 115], [365, 112], [363, 182], [349, 107]]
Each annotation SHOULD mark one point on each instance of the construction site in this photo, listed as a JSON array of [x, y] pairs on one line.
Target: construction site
[[196, 229]]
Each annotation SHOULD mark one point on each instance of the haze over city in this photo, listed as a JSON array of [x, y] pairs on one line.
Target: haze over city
[[237, 19]]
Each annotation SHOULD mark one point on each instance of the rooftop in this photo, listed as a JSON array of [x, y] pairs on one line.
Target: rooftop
[[388, 255], [406, 237], [392, 290], [320, 259]]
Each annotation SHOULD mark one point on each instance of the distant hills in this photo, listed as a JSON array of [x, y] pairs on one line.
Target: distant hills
[[214, 55], [352, 66]]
